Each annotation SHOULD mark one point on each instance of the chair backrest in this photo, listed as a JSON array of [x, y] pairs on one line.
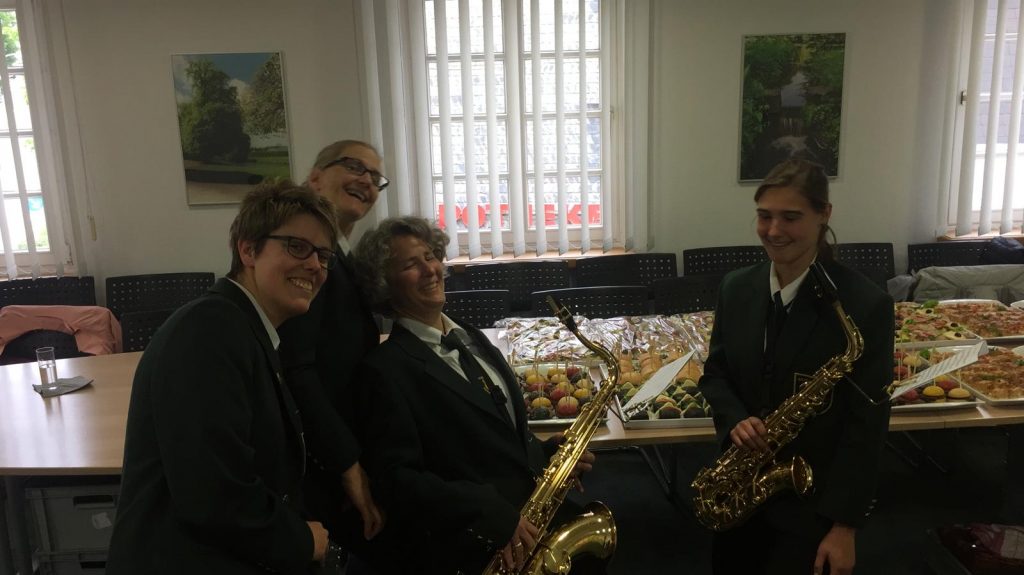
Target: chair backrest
[[49, 291], [520, 278], [22, 349], [618, 270], [686, 294], [721, 260], [595, 302], [480, 308], [152, 292], [874, 260], [953, 253], [138, 327], [626, 269]]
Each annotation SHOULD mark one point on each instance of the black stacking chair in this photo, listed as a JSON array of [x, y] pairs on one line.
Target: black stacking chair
[[479, 308], [952, 253], [138, 327], [686, 294], [721, 260], [49, 291], [454, 281], [22, 349], [152, 292], [623, 270], [595, 302], [874, 260], [520, 278]]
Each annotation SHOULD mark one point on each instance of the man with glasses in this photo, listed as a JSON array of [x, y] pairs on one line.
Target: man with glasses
[[321, 349]]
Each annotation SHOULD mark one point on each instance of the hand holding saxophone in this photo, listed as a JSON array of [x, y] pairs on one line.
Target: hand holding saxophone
[[750, 434], [516, 552]]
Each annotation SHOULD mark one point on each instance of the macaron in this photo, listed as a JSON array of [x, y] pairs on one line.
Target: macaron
[[958, 394], [933, 393]]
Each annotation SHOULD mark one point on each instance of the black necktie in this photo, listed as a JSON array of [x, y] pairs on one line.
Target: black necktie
[[475, 373], [773, 328]]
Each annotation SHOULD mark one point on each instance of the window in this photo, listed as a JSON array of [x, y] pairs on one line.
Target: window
[[990, 167], [505, 134], [31, 238]]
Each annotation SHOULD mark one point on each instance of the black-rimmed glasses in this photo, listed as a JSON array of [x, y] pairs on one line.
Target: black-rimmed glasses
[[301, 249], [358, 168]]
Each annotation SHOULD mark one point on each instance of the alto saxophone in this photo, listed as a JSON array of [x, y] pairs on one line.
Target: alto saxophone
[[728, 492], [593, 532]]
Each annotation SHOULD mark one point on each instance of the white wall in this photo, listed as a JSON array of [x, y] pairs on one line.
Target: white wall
[[120, 57], [893, 115]]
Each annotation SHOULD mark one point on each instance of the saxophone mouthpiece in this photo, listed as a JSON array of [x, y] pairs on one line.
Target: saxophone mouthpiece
[[825, 286], [562, 313]]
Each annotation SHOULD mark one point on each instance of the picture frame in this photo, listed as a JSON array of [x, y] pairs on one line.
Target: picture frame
[[232, 123], [792, 99]]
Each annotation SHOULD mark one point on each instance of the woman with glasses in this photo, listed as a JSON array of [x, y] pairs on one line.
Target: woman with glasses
[[214, 448], [320, 350]]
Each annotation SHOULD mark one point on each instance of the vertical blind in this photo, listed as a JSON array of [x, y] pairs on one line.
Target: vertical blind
[[989, 197], [499, 120]]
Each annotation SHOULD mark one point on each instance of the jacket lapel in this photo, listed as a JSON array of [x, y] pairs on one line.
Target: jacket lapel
[[511, 381], [802, 320], [751, 341], [225, 288], [437, 369]]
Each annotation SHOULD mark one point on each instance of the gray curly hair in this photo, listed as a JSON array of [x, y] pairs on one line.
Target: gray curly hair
[[373, 254]]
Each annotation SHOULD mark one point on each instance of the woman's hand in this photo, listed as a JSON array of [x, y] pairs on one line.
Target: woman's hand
[[838, 549], [750, 434], [357, 487], [514, 555], [319, 540]]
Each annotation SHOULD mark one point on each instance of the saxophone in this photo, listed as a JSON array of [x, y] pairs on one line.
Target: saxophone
[[593, 532], [728, 492]]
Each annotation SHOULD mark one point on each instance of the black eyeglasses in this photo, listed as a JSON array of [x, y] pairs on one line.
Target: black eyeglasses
[[358, 168], [301, 249]]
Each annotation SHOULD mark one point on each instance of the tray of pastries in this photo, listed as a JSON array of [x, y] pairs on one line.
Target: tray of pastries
[[555, 392], [666, 398], [940, 393]]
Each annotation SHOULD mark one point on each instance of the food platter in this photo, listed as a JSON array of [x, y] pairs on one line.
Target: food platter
[[992, 320], [997, 378], [921, 382], [668, 398], [553, 382]]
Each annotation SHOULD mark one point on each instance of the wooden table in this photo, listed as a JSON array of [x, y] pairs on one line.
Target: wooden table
[[82, 433]]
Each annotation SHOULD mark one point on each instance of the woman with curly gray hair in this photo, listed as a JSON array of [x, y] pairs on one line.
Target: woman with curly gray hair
[[443, 420]]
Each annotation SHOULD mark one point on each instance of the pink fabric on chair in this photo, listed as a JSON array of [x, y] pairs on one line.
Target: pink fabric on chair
[[96, 330]]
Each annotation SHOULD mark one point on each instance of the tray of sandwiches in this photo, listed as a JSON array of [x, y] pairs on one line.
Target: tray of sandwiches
[[924, 325], [997, 378], [992, 320]]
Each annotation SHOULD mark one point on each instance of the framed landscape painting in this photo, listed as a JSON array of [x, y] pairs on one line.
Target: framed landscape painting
[[792, 101], [232, 123]]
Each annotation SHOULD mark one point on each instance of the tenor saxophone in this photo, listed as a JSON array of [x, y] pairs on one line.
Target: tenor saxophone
[[593, 532], [729, 491]]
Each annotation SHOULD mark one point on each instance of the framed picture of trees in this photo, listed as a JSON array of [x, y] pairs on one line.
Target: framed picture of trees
[[232, 123], [792, 101]]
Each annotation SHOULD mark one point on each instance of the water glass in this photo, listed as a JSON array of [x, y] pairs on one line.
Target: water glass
[[47, 367]]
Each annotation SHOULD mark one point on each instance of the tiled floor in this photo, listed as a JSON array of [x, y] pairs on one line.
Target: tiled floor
[[656, 537]]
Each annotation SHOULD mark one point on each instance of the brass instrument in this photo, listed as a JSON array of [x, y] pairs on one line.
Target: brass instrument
[[592, 533], [728, 492]]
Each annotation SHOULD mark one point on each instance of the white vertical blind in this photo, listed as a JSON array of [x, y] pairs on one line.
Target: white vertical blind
[[990, 149], [529, 84], [33, 212]]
